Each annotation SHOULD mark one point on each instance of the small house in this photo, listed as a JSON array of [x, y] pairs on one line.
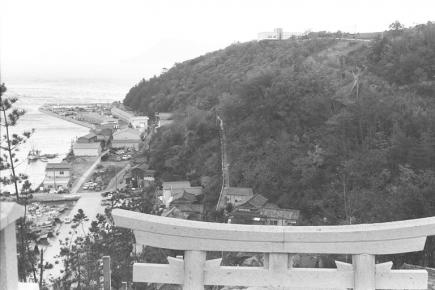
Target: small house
[[140, 175], [185, 211], [184, 198], [87, 149], [258, 210], [57, 175], [126, 138], [235, 196]]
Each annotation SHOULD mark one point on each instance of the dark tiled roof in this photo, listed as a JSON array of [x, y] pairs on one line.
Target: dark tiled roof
[[184, 195], [176, 184], [238, 191], [62, 165], [289, 214], [257, 201]]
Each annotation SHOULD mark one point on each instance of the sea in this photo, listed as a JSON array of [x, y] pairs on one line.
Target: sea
[[52, 135]]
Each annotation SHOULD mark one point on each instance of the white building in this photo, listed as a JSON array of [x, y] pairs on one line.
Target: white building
[[126, 138], [87, 149], [139, 122], [57, 175], [276, 34]]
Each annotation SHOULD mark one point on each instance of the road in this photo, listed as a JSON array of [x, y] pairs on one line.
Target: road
[[117, 179], [90, 203]]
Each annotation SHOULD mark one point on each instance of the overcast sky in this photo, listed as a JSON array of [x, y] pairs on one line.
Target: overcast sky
[[137, 38]]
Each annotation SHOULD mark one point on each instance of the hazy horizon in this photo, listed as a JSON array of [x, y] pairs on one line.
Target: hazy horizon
[[131, 40]]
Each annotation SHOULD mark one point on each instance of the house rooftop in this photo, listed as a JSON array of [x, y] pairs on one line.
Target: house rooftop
[[185, 195], [256, 201], [93, 145], [246, 191], [89, 136], [196, 190], [176, 184], [54, 166]]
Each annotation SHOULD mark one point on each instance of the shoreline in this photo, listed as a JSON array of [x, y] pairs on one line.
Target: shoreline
[[71, 120]]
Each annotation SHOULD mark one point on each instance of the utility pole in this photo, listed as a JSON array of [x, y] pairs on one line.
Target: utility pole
[[107, 273], [42, 268]]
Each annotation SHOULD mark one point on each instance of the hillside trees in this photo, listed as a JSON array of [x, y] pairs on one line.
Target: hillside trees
[[297, 132]]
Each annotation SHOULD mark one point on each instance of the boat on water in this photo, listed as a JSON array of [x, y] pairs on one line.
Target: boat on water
[[34, 154]]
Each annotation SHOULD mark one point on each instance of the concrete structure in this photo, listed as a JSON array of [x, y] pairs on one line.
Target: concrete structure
[[276, 34], [57, 175], [87, 149], [9, 213], [126, 138], [234, 195], [278, 244]]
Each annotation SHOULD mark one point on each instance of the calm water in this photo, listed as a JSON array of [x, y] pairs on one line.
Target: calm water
[[54, 135]]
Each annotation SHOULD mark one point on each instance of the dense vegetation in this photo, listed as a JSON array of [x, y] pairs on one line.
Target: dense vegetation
[[343, 130]]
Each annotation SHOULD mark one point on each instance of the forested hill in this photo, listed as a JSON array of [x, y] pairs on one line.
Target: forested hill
[[339, 129]]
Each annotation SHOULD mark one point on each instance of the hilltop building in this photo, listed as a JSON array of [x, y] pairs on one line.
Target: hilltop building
[[276, 34], [57, 175]]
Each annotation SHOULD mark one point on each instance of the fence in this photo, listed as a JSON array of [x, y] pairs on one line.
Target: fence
[[363, 242]]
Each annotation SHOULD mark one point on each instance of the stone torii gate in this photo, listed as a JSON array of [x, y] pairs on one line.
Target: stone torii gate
[[362, 241]]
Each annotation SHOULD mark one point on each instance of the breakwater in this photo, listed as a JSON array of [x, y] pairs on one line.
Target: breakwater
[[84, 124]]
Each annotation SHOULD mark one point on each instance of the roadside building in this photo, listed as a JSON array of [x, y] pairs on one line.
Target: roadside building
[[235, 196], [126, 138], [258, 210], [171, 187], [137, 122], [185, 211], [87, 149], [57, 175], [140, 176], [183, 198], [88, 138], [104, 135]]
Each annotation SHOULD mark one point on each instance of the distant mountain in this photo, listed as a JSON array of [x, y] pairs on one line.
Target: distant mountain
[[343, 130]]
